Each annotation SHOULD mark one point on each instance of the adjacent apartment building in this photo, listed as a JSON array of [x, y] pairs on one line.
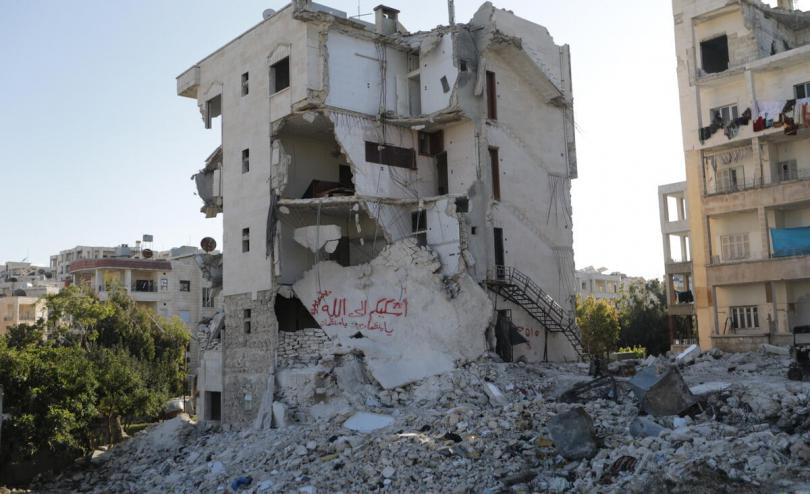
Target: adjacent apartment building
[[404, 195], [672, 208], [744, 81]]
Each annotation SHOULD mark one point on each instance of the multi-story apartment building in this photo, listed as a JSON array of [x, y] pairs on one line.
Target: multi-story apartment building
[[744, 74], [169, 287], [60, 263], [601, 284], [672, 208], [374, 183]]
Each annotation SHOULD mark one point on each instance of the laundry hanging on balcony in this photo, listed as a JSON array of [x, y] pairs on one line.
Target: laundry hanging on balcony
[[790, 241], [730, 128], [792, 114]]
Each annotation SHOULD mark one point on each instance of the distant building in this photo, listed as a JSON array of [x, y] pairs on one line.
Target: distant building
[[600, 284], [60, 262], [22, 288], [170, 287]]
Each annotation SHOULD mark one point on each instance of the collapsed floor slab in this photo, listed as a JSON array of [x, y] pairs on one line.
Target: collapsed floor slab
[[397, 311]]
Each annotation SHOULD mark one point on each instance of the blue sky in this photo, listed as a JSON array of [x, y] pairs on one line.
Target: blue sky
[[97, 149]]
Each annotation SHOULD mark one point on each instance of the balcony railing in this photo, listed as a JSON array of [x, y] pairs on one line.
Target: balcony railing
[[756, 182]]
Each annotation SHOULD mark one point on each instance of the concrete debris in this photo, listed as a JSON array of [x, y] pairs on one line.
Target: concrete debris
[[495, 396], [573, 434], [645, 427], [689, 355], [601, 388], [752, 434], [368, 422], [661, 391], [775, 350]]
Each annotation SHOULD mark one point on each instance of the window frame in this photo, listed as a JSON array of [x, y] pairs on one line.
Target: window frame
[[386, 154], [245, 86], [732, 109], [805, 87], [744, 316], [735, 246], [245, 240], [247, 315], [274, 72], [184, 286], [419, 227], [246, 160]]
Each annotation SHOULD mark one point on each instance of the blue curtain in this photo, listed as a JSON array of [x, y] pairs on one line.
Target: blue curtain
[[790, 241]]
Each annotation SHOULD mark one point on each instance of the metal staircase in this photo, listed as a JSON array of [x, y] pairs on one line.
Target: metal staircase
[[519, 289]]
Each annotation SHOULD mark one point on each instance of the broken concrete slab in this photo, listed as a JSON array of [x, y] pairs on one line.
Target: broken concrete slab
[[709, 388], [645, 427], [279, 415], [368, 422], [775, 350], [410, 327], [573, 434], [689, 355], [316, 237], [495, 395], [661, 391]]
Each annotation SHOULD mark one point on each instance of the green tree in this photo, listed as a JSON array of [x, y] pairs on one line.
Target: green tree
[[103, 362], [643, 317], [49, 399], [599, 323]]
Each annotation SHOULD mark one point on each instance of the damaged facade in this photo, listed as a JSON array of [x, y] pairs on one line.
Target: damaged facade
[[744, 76], [678, 287], [385, 198]]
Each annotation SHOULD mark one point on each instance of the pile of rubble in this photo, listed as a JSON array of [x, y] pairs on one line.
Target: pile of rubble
[[496, 427]]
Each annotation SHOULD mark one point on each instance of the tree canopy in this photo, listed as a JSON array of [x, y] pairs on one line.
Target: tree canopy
[[70, 381]]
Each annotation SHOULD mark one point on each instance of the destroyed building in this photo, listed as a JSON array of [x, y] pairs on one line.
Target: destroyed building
[[744, 77], [401, 197]]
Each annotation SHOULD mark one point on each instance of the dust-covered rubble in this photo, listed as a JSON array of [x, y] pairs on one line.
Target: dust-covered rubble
[[488, 427]]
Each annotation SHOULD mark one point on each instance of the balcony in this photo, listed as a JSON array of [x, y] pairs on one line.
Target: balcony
[[758, 270], [755, 193]]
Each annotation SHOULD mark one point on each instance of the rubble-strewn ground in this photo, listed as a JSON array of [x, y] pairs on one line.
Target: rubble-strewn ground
[[450, 436]]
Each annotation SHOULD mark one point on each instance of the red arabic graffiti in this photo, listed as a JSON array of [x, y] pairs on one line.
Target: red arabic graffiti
[[370, 315]]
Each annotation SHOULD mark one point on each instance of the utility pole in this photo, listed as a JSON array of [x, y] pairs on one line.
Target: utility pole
[[451, 12]]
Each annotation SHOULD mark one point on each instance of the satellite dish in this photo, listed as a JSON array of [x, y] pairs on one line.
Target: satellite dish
[[268, 13], [147, 253], [208, 244]]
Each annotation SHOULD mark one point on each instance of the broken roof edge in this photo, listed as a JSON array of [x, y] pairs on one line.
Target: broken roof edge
[[234, 40]]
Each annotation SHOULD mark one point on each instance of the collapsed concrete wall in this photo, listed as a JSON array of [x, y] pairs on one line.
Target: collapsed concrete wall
[[398, 311]]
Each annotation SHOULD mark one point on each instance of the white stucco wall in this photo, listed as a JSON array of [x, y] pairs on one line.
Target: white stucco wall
[[411, 327]]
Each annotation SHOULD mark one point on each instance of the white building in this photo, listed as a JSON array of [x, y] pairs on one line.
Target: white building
[[744, 76], [375, 181], [601, 284]]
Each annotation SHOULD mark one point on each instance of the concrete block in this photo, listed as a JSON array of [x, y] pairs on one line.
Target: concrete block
[[688, 355], [573, 434], [662, 392], [775, 350], [645, 427], [495, 395], [279, 415]]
